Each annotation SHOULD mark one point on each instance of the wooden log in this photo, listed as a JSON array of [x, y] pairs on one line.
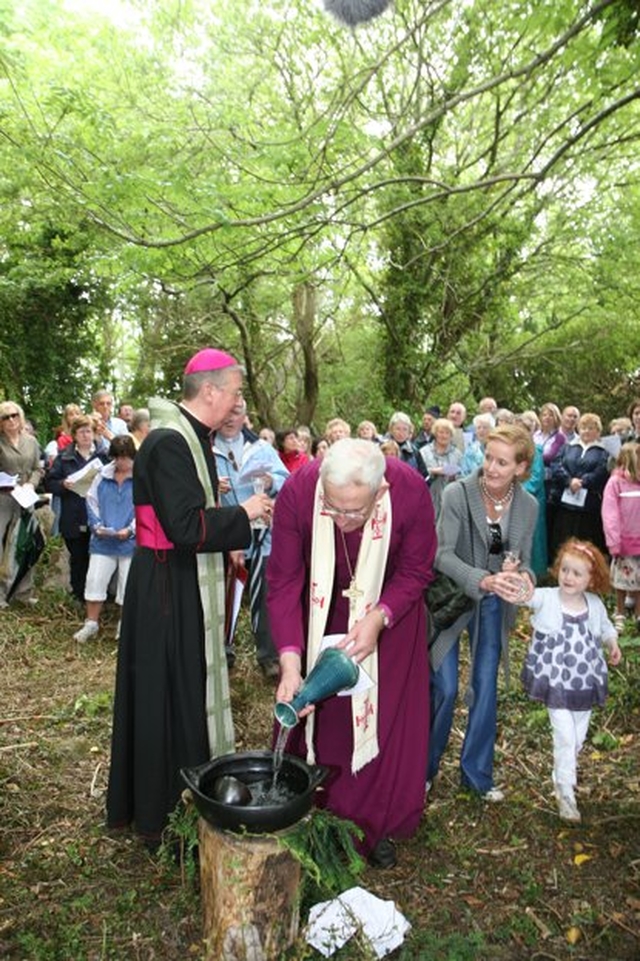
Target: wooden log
[[250, 895]]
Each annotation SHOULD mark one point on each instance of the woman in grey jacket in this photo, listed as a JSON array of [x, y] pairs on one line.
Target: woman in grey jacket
[[483, 516]]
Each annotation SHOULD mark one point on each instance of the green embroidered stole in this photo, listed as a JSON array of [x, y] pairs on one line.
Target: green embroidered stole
[[211, 586]]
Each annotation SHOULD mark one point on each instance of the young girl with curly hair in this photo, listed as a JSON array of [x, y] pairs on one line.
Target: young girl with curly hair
[[565, 667]]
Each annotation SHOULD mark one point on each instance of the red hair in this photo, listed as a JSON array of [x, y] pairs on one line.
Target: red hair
[[599, 581]]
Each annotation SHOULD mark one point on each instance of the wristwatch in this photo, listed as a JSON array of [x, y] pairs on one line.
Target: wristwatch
[[384, 611]]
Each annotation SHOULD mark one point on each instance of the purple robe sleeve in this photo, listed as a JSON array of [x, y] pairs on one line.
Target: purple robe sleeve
[[288, 567]]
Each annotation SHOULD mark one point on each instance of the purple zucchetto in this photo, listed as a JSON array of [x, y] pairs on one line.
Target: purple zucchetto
[[209, 359]]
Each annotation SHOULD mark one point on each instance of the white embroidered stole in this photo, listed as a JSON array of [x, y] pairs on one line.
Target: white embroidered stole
[[369, 575]]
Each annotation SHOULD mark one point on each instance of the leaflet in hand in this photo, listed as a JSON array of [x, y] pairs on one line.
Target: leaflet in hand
[[25, 495], [574, 498], [8, 480], [83, 479]]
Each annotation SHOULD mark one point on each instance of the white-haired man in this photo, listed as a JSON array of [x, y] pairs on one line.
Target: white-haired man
[[353, 548], [242, 459], [457, 414]]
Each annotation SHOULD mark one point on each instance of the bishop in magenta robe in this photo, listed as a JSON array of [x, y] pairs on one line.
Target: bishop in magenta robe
[[385, 797]]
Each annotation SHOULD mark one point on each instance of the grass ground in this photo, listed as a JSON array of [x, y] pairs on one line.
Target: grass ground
[[496, 882]]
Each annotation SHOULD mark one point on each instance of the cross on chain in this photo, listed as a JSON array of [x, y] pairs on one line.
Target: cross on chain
[[353, 592]]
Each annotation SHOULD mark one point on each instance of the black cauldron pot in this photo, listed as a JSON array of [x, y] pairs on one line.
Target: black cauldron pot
[[298, 779]]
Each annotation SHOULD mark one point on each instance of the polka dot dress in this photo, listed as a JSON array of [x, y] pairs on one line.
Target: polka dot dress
[[566, 669]]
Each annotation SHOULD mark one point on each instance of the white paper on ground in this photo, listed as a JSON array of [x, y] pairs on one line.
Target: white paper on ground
[[332, 923], [363, 683]]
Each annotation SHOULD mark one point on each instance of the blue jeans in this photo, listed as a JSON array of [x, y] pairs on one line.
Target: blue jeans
[[476, 759]]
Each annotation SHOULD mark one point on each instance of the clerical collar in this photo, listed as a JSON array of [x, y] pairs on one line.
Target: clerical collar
[[202, 430]]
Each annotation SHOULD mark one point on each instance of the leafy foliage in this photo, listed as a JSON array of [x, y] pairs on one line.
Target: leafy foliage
[[454, 183], [46, 340], [324, 845]]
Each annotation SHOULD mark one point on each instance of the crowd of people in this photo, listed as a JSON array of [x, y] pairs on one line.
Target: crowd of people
[[90, 455], [337, 536]]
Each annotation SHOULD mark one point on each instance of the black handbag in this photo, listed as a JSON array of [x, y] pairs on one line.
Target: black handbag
[[446, 602]]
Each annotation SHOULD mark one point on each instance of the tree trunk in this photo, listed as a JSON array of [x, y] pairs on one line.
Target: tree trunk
[[304, 320], [249, 887]]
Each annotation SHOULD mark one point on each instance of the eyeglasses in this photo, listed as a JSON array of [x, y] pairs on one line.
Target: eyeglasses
[[330, 511], [232, 459], [10, 416], [495, 539]]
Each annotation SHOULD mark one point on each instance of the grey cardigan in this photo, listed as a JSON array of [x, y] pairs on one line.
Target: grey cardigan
[[463, 553]]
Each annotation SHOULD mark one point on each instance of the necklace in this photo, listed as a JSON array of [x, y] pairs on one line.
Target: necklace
[[499, 503], [352, 592]]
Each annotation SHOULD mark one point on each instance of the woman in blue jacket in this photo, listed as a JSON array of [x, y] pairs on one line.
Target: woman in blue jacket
[[111, 519]]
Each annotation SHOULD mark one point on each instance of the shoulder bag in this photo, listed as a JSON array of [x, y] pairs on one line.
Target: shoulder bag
[[446, 600]]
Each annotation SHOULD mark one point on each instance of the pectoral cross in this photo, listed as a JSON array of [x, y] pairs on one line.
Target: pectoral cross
[[353, 592]]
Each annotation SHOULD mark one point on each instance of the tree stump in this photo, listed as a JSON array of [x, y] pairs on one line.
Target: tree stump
[[250, 895]]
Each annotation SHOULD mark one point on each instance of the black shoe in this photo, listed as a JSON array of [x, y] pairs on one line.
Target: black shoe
[[384, 854]]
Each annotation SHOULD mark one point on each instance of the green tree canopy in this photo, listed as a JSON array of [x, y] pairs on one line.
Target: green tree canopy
[[440, 203]]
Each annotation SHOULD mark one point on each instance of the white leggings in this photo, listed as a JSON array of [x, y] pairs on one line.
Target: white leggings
[[569, 733]]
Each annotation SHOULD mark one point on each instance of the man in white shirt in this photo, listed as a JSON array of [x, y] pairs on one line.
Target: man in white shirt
[[569, 423], [107, 426]]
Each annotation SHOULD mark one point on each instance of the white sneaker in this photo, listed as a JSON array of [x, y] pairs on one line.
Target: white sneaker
[[494, 795], [567, 807], [428, 786], [87, 631]]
